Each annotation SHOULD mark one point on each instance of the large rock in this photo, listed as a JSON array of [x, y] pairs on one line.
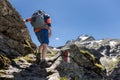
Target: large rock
[[80, 65], [107, 51], [14, 35]]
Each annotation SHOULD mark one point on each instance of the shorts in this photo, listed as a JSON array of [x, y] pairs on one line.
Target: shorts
[[42, 36]]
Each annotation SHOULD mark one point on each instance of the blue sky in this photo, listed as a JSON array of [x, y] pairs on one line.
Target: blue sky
[[71, 18]]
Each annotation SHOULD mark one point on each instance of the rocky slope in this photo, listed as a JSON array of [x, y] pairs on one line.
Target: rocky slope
[[107, 52], [82, 59], [14, 36]]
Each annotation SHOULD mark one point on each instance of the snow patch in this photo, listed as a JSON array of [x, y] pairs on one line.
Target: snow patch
[[112, 43], [83, 37], [99, 41]]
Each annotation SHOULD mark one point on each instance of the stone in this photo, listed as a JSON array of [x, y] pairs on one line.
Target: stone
[[14, 35]]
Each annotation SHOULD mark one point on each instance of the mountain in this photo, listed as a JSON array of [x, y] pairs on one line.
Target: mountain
[[106, 47], [82, 59], [107, 51]]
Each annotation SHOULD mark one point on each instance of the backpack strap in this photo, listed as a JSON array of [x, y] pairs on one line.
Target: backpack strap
[[43, 27]]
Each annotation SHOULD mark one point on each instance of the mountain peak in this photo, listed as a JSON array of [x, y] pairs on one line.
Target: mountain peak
[[85, 38], [81, 38]]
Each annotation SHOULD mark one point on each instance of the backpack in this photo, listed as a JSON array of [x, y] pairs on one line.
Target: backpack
[[37, 19]]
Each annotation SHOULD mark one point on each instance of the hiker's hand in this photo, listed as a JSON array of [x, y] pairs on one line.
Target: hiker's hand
[[50, 34], [25, 21]]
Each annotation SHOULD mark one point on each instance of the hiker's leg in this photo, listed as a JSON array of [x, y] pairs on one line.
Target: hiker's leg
[[38, 56], [40, 49], [44, 51], [44, 63]]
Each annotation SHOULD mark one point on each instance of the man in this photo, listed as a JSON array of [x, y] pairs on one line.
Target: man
[[42, 29]]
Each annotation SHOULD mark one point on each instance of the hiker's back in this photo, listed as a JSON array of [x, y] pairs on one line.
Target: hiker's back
[[37, 19]]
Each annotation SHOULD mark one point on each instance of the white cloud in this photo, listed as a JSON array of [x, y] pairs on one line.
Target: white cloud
[[56, 38]]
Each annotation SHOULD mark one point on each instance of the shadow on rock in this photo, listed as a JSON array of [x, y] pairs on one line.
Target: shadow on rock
[[33, 72]]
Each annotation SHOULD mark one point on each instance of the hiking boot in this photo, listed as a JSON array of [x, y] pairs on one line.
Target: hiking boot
[[38, 60], [44, 64]]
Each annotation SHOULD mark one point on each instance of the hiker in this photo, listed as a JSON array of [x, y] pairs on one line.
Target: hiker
[[41, 23]]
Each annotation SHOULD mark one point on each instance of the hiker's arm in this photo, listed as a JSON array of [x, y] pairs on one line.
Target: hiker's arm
[[50, 31], [28, 20], [48, 21]]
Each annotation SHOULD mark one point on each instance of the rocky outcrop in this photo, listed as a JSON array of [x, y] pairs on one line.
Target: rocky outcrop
[[14, 36], [73, 63], [107, 52], [81, 61], [4, 62]]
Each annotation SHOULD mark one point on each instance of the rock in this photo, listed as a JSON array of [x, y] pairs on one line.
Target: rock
[[82, 65], [115, 72], [4, 62], [107, 51], [14, 35]]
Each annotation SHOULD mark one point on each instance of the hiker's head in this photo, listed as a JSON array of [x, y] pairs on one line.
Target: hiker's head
[[38, 12]]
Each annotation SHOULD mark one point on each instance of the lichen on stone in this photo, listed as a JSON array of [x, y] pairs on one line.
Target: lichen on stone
[[4, 62]]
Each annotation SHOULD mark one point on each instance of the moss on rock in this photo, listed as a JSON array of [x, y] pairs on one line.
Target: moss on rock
[[4, 62], [92, 58]]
